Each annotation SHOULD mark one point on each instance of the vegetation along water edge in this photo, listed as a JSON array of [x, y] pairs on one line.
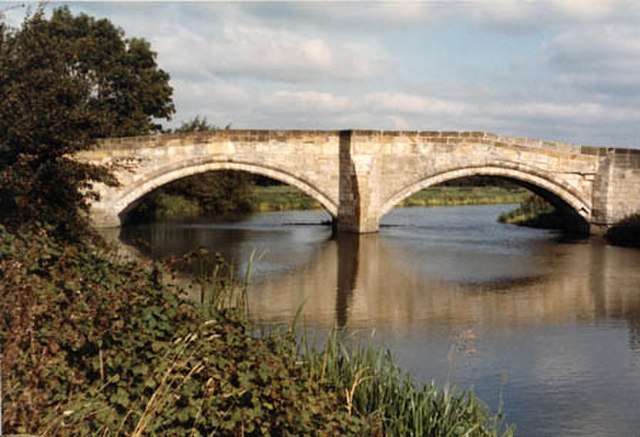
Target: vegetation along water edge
[[94, 344]]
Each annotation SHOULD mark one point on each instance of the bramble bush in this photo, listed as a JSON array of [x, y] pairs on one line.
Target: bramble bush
[[94, 345]]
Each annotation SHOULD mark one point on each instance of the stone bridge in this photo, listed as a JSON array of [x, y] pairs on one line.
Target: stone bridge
[[358, 175]]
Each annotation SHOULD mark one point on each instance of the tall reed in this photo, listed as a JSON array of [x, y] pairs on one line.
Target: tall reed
[[375, 388]]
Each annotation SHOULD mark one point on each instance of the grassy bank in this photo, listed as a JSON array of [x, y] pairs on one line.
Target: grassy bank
[[451, 195], [284, 197], [535, 212], [532, 212], [171, 206], [94, 345], [281, 198]]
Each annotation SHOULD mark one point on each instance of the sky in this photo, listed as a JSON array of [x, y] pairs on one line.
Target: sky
[[566, 70]]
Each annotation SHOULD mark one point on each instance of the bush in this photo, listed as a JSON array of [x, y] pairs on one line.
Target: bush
[[94, 345], [626, 232]]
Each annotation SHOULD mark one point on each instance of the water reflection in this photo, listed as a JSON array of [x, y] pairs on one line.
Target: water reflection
[[378, 282], [423, 267], [348, 268]]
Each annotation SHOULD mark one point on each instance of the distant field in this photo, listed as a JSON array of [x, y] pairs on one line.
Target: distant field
[[450, 196], [284, 197], [281, 198]]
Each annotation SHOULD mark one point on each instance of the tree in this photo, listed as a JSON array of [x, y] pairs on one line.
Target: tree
[[64, 82]]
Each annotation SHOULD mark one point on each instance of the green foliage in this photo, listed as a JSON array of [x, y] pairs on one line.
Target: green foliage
[[161, 205], [197, 124], [127, 88], [63, 83], [626, 232], [481, 181], [533, 212], [91, 345], [217, 193]]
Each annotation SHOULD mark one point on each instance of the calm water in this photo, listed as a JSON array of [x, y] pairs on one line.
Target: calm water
[[551, 327]]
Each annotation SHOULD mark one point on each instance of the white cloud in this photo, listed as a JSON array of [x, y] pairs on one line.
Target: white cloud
[[309, 102], [404, 103], [267, 54], [289, 56], [558, 69], [609, 46]]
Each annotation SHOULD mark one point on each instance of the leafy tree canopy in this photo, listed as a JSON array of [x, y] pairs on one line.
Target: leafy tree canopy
[[65, 81]]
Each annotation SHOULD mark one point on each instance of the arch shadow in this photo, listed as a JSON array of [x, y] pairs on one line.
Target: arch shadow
[[134, 195]]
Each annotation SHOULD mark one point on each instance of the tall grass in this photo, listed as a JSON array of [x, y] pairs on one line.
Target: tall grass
[[369, 384], [375, 388]]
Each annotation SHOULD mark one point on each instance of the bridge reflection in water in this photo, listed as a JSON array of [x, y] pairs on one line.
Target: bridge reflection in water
[[376, 282]]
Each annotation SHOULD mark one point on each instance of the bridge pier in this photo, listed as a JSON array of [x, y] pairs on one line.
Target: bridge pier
[[358, 193], [615, 188], [104, 218]]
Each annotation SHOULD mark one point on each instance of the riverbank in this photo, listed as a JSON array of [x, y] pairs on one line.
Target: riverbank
[[532, 212], [287, 198], [95, 345], [465, 195]]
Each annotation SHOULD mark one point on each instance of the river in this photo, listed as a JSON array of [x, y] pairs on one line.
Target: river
[[547, 325]]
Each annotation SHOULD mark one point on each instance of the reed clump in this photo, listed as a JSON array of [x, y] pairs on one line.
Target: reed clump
[[374, 387]]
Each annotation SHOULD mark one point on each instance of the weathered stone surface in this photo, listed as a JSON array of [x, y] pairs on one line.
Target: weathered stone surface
[[358, 176]]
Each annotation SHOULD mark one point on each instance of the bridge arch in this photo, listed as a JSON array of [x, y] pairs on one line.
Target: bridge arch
[[540, 182], [135, 193]]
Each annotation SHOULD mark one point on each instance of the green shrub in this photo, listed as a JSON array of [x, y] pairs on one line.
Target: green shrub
[[92, 345], [626, 232]]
